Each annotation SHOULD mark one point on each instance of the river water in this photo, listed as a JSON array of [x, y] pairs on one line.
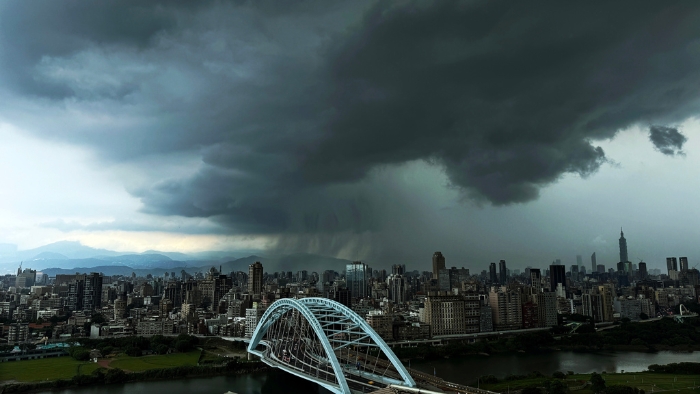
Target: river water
[[464, 370]]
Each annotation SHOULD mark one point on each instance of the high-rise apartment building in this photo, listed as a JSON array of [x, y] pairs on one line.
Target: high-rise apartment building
[[92, 292], [452, 278], [683, 261], [506, 308], [594, 263], [447, 314], [397, 289], [76, 294], [607, 293], [255, 278], [623, 247], [438, 264], [592, 305], [357, 276], [579, 260], [503, 272], [546, 309]]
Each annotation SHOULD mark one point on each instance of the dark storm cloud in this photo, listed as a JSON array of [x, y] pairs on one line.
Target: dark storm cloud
[[290, 108], [667, 140]]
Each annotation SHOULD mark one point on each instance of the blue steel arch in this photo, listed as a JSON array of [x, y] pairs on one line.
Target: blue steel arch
[[274, 312], [312, 309]]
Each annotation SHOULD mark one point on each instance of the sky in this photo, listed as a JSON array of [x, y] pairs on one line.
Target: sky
[[366, 130]]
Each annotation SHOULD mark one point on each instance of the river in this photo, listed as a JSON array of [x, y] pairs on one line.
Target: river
[[464, 370]]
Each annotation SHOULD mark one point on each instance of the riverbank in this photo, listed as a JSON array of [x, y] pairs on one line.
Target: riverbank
[[467, 369], [113, 376]]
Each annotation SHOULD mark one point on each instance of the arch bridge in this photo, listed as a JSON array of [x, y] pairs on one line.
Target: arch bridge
[[326, 342]]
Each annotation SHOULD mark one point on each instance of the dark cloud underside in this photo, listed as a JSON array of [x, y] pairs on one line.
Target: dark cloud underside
[[667, 140], [290, 108]]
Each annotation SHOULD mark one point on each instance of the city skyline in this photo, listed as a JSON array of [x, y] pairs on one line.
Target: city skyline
[[439, 261], [500, 132]]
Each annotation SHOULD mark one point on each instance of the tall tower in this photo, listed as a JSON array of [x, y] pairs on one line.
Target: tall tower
[[503, 272], [438, 264], [492, 273], [357, 277], [594, 263], [623, 247], [255, 278], [683, 261]]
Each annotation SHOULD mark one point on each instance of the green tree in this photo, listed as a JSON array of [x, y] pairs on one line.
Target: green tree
[[81, 354], [555, 386], [162, 349], [597, 383], [133, 351]]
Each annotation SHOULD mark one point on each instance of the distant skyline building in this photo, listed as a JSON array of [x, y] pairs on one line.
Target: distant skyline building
[[438, 264], [557, 275], [671, 264], [503, 272], [623, 247], [357, 276], [643, 270], [683, 262], [536, 280], [594, 263], [493, 277], [255, 278], [579, 260]]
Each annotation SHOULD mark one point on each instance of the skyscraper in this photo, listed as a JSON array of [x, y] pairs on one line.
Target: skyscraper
[[594, 263], [438, 264], [642, 270], [255, 278], [579, 260], [683, 263], [503, 272], [557, 274], [535, 280], [492, 273], [623, 247], [671, 264], [92, 291], [357, 277]]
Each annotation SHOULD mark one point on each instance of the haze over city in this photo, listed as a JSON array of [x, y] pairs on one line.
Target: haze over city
[[374, 131]]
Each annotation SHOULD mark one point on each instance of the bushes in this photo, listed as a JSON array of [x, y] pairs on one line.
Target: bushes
[[115, 375]]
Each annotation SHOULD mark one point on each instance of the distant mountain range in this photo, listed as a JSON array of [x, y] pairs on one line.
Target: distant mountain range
[[67, 257]]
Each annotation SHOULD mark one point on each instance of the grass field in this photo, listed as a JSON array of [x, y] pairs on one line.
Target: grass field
[[649, 382], [45, 369], [155, 362]]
